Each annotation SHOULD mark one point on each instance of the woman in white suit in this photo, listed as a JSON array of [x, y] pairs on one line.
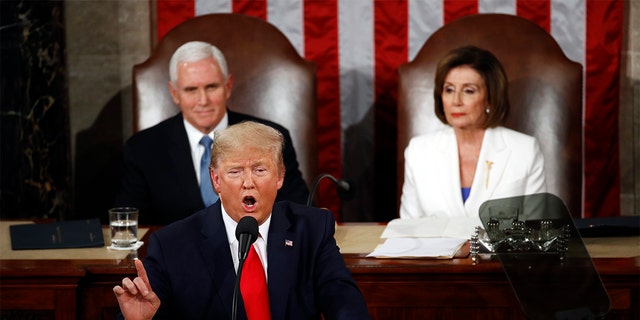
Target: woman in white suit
[[451, 172]]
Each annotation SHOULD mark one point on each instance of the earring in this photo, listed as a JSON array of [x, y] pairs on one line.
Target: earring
[[487, 110]]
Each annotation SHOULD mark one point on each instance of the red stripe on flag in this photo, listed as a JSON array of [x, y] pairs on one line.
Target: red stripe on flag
[[601, 148], [391, 36], [321, 46], [255, 8], [171, 13], [454, 9], [538, 11]]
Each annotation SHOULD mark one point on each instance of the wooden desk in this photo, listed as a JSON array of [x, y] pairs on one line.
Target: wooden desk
[[393, 288], [62, 283], [459, 289]]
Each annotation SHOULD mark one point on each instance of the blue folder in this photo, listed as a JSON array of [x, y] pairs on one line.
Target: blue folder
[[57, 235]]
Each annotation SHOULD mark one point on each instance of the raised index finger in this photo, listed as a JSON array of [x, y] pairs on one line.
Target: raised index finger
[[142, 273]]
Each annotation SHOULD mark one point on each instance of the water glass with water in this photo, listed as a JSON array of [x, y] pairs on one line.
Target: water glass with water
[[124, 226]]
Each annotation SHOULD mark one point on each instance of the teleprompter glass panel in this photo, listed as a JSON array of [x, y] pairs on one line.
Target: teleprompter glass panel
[[544, 258]]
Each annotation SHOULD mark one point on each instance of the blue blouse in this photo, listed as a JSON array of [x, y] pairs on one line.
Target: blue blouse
[[465, 194]]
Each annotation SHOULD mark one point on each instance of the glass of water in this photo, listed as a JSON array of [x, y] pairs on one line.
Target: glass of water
[[123, 222]]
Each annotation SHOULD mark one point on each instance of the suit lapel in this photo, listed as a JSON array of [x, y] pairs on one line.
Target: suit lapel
[[216, 253], [491, 165], [450, 173], [283, 259], [180, 155], [234, 117]]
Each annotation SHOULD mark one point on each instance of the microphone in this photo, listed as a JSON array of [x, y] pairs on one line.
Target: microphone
[[344, 189], [246, 233]]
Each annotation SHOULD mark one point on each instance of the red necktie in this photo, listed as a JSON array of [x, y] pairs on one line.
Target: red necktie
[[253, 287]]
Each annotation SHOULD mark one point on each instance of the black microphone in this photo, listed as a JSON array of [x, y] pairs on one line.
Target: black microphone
[[246, 233], [344, 189]]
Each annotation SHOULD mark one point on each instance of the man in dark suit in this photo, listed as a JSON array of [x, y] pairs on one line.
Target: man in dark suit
[[161, 165], [190, 270]]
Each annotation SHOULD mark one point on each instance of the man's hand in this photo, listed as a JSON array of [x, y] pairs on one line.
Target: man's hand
[[136, 298]]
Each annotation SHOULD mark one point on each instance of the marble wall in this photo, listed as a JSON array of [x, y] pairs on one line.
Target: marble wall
[[106, 38], [629, 118], [35, 155]]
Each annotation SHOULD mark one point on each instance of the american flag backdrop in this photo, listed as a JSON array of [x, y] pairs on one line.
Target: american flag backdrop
[[358, 46]]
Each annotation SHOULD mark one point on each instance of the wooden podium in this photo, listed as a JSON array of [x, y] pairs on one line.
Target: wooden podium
[[77, 283]]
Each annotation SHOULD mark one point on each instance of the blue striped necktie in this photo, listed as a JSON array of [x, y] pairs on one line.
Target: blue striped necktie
[[206, 189]]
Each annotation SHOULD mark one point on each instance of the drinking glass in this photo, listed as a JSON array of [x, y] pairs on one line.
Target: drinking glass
[[123, 222]]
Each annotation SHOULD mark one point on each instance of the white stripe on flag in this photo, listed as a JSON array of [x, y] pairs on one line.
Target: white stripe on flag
[[568, 27], [425, 17], [497, 6], [356, 57], [288, 17], [212, 6], [356, 62]]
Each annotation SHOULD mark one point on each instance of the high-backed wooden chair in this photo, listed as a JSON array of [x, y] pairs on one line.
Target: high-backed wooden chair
[[545, 91], [271, 80]]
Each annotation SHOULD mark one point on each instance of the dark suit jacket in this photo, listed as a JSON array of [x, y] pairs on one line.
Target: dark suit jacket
[[190, 268], [159, 178]]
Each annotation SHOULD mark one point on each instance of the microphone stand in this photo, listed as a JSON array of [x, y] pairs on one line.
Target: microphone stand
[[336, 182], [236, 289]]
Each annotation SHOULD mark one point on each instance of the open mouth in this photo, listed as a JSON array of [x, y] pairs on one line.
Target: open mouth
[[249, 201]]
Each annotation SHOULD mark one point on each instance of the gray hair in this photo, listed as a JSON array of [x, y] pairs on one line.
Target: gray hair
[[195, 51]]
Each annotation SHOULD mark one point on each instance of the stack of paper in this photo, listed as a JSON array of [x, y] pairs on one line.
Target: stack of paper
[[438, 238], [461, 228], [437, 248]]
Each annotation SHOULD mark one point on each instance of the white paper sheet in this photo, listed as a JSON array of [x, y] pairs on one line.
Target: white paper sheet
[[461, 228], [437, 248]]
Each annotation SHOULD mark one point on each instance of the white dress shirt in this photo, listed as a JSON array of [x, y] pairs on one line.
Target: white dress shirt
[[260, 245]]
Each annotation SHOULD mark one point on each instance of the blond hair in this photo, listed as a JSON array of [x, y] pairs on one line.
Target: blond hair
[[248, 135]]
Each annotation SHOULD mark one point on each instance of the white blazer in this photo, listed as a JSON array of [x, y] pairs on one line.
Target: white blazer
[[510, 164]]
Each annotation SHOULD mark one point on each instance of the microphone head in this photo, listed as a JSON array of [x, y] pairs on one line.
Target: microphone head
[[345, 189], [247, 225]]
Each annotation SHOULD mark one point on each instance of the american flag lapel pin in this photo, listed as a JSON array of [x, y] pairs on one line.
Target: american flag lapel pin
[[288, 243]]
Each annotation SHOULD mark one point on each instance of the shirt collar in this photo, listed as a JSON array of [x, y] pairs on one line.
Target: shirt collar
[[195, 135], [230, 226]]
